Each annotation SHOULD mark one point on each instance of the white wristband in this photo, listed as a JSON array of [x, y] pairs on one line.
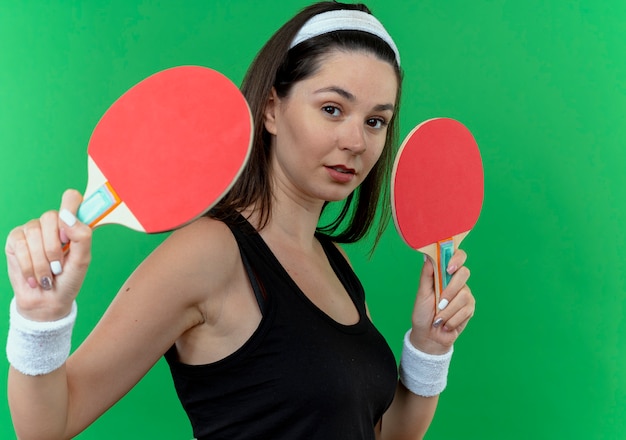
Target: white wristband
[[35, 348], [422, 373]]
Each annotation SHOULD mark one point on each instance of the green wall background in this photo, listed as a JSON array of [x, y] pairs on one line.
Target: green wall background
[[540, 84]]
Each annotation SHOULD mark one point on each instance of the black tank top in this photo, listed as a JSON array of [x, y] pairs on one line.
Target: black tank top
[[301, 375]]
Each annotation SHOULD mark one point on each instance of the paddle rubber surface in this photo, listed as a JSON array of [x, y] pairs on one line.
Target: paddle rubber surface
[[437, 184], [173, 144]]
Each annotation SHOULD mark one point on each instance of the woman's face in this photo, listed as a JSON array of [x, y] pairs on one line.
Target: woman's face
[[330, 130]]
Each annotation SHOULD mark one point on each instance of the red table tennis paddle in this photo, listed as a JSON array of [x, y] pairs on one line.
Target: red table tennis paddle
[[437, 191], [166, 151]]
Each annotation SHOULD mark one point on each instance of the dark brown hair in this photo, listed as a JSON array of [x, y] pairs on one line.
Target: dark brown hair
[[276, 66]]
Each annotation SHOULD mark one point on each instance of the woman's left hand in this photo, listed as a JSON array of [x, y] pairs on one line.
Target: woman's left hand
[[437, 326]]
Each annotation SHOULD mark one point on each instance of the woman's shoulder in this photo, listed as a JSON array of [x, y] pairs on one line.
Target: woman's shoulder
[[204, 240], [199, 255], [202, 231]]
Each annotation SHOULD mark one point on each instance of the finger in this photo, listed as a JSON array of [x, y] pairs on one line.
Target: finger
[[423, 308], [459, 310], [38, 258], [427, 278], [18, 257], [49, 222], [457, 282], [456, 261], [78, 233], [459, 320], [70, 201]]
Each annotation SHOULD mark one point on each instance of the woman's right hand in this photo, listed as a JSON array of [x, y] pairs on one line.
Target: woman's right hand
[[45, 279]]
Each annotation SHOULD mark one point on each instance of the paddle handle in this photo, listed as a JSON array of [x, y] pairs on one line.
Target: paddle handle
[[439, 254], [98, 204]]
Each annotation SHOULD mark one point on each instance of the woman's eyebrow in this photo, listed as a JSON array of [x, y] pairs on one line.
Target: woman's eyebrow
[[384, 107], [350, 97], [342, 92]]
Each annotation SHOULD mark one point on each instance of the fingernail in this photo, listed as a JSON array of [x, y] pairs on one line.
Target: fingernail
[[56, 268], [425, 258], [437, 322], [46, 283], [32, 282], [442, 304], [67, 217], [451, 269], [63, 237]]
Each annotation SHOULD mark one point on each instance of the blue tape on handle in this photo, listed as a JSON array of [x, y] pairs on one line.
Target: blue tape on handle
[[96, 205], [446, 250]]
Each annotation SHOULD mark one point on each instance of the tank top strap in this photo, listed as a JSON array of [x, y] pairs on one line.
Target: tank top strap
[[246, 236], [344, 271]]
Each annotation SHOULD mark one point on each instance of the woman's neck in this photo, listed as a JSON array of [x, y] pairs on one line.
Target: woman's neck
[[290, 221]]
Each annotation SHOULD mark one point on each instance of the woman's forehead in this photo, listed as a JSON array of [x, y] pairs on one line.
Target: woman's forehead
[[353, 71]]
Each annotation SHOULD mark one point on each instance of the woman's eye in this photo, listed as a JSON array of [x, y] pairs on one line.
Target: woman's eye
[[331, 110], [377, 123]]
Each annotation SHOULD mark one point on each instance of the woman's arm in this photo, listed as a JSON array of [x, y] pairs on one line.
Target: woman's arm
[[410, 415], [157, 304]]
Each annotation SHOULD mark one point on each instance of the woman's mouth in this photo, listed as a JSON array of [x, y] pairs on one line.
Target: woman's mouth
[[340, 173], [342, 169]]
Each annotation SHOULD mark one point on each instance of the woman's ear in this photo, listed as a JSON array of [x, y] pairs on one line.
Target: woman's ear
[[269, 119]]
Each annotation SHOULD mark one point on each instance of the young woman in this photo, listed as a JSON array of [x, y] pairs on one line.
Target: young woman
[[257, 311]]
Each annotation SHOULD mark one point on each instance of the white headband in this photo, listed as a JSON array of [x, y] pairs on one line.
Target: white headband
[[344, 20]]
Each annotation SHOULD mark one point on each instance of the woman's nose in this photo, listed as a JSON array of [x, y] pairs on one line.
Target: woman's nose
[[353, 137]]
